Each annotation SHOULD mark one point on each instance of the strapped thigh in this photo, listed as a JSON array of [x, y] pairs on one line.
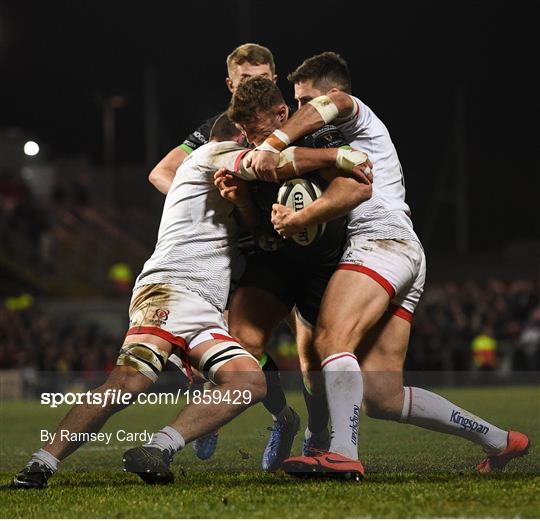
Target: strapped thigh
[[147, 358], [218, 355]]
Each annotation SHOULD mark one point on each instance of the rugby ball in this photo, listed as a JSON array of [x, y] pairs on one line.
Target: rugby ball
[[297, 194]]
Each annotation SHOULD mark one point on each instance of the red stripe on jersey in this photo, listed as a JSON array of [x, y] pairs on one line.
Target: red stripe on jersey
[[218, 336], [238, 159], [157, 331], [401, 312], [370, 273]]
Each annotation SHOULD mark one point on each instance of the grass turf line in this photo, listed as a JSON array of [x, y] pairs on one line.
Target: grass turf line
[[410, 472]]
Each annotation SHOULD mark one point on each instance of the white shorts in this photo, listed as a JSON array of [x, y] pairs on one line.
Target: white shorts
[[175, 314], [399, 266]]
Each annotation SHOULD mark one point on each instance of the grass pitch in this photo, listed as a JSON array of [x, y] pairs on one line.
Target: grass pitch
[[410, 472]]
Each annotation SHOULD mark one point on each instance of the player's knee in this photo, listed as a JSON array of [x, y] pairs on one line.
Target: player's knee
[[329, 341], [125, 381], [255, 386], [335, 338], [228, 363], [322, 343], [243, 375]]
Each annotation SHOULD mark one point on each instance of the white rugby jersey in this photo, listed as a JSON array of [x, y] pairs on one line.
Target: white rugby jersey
[[197, 233], [386, 215]]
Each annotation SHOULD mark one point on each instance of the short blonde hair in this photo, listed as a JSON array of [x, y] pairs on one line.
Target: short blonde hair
[[253, 54]]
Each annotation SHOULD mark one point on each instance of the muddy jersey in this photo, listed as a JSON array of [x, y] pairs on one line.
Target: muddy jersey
[[386, 215], [328, 247], [197, 234]]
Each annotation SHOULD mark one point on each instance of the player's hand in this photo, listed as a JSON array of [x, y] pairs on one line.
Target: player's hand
[[363, 173], [232, 188], [285, 220], [264, 165]]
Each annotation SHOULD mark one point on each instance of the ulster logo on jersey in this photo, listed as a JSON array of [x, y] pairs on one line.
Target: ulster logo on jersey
[[160, 316]]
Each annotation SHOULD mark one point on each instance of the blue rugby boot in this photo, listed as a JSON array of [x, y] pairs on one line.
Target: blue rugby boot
[[279, 445]]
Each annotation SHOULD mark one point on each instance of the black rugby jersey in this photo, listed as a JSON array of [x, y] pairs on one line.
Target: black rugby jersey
[[329, 245], [200, 136]]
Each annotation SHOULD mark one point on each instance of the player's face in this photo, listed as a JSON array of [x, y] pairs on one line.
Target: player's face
[[242, 72], [304, 92], [264, 124]]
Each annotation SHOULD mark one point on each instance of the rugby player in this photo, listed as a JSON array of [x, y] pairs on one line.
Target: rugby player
[[178, 302], [246, 61], [370, 300], [292, 276], [174, 306]]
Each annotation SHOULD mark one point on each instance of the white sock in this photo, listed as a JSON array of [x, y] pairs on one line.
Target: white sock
[[344, 389], [167, 439], [46, 458], [431, 411], [285, 415]]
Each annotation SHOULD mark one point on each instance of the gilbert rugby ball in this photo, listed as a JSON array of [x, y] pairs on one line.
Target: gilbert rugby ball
[[297, 194]]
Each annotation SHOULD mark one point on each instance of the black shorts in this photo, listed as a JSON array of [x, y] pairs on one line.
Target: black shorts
[[292, 282]]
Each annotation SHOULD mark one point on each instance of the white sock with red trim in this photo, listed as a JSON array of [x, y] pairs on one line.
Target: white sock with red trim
[[167, 439], [431, 411], [344, 389]]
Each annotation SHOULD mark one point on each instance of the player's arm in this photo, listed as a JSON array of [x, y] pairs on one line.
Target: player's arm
[[162, 175], [235, 190], [312, 116], [294, 161], [297, 161], [344, 193]]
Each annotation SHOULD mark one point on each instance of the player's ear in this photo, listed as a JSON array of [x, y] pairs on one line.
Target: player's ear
[[283, 113], [230, 84], [274, 78]]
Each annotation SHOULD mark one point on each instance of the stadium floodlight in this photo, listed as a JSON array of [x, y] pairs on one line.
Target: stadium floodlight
[[31, 148]]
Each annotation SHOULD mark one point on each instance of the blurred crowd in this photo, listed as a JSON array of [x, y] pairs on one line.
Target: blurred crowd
[[484, 325], [492, 325], [29, 220], [65, 236], [29, 338]]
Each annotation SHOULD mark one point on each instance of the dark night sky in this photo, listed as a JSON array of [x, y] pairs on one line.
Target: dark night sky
[[60, 58]]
